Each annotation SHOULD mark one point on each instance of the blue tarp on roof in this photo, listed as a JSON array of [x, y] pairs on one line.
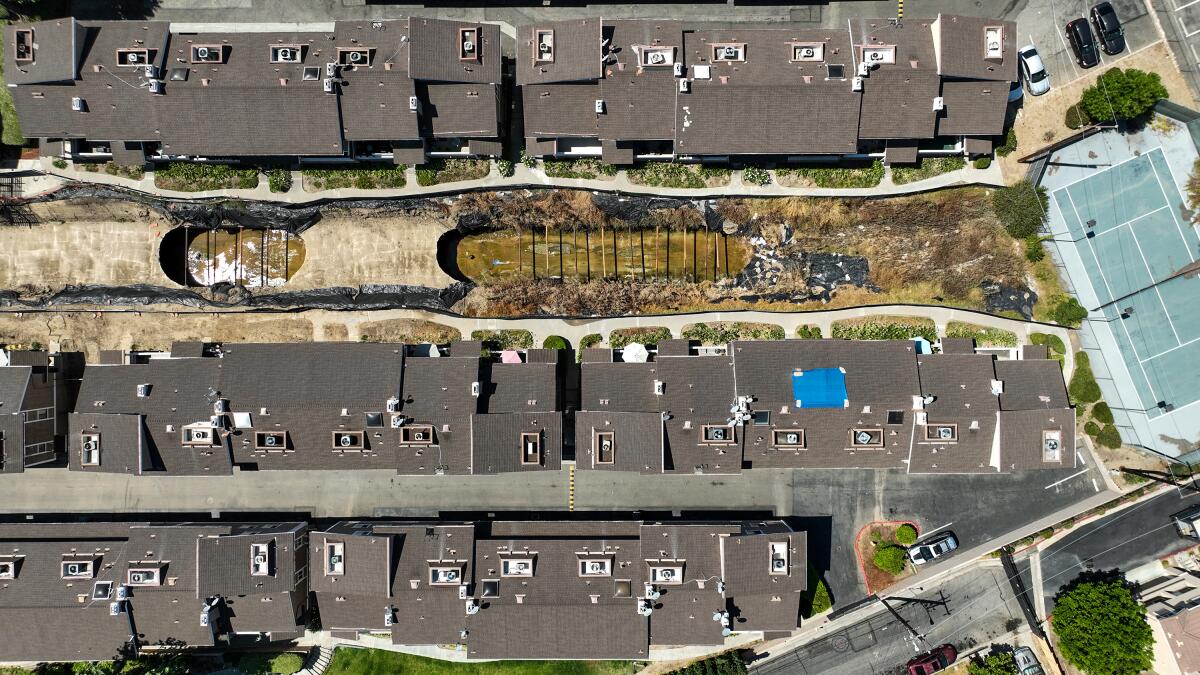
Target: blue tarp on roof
[[820, 388]]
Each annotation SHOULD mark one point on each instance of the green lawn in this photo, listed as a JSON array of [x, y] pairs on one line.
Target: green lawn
[[8, 113], [348, 661]]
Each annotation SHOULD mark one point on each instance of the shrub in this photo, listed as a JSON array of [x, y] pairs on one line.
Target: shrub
[[1091, 428], [1053, 343], [450, 170], [426, 177], [1068, 312], [724, 333], [363, 179], [1021, 208], [555, 342], [756, 176], [279, 180], [928, 168], [890, 559], [808, 332], [906, 534], [1010, 143], [496, 340], [59, 163], [1034, 252], [982, 335], [193, 177], [573, 168], [1102, 413], [1083, 387], [649, 336], [884, 328], [839, 176], [1109, 437], [666, 174], [728, 663], [528, 160], [982, 162], [1122, 94], [590, 340], [505, 167], [1076, 117], [820, 599]]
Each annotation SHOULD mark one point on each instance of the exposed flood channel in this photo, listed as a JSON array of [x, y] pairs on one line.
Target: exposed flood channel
[[250, 258], [614, 253]]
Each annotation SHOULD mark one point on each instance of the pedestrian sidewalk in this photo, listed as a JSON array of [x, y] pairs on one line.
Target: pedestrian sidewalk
[[523, 177]]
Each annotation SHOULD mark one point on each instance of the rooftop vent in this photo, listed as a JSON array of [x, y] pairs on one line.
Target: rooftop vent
[[311, 73], [78, 104], [599, 106], [531, 448], [150, 71], [939, 103], [327, 86], [102, 590], [23, 45], [543, 40], [808, 51], [679, 69], [685, 86], [158, 87], [856, 84], [143, 390], [836, 71], [879, 54], [993, 42], [287, 54], [8, 569], [207, 54], [701, 72], [414, 103], [728, 52], [1051, 445]]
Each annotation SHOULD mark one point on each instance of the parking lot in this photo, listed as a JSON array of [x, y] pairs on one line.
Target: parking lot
[[1042, 22]]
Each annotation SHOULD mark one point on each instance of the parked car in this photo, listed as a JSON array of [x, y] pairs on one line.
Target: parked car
[[1027, 663], [931, 662], [1079, 34], [933, 548], [1108, 28], [1015, 92], [1033, 71]]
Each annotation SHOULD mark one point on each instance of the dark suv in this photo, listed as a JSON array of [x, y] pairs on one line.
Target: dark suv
[[1108, 27], [1079, 34]]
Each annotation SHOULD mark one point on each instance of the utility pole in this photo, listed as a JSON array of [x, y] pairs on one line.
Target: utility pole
[[916, 636]]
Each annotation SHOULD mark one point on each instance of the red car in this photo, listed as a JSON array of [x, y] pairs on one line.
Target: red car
[[938, 659]]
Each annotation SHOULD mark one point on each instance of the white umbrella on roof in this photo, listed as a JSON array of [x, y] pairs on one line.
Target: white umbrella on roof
[[635, 352]]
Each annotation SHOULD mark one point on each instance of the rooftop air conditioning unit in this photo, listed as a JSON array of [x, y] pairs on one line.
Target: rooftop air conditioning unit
[[90, 442], [78, 105], [387, 617], [202, 53], [345, 440], [122, 592], [659, 387], [729, 53], [355, 57], [667, 574], [468, 47], [656, 58], [599, 106], [472, 607], [544, 47], [684, 86], [157, 87], [864, 69], [922, 418], [679, 70], [778, 564], [132, 58], [204, 618], [327, 85], [475, 389], [331, 69], [114, 608], [143, 390], [271, 440], [945, 433], [393, 405], [150, 72], [856, 84], [220, 406], [397, 421], [596, 567], [414, 103], [939, 103]]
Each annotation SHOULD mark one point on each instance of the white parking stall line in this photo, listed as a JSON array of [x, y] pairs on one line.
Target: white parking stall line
[[1185, 5], [1079, 456], [929, 532], [1060, 482], [1095, 485]]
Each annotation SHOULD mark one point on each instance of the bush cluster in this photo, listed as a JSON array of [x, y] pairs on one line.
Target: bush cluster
[[1076, 117], [884, 330], [1068, 312], [505, 167], [839, 176], [279, 180], [724, 333], [1021, 208], [1034, 251], [649, 336], [674, 175], [982, 335], [906, 534], [928, 168], [756, 176], [1102, 413], [194, 177], [1010, 143], [1054, 344], [809, 332], [1083, 387], [982, 162], [391, 177], [555, 342], [496, 340], [890, 558], [728, 663]]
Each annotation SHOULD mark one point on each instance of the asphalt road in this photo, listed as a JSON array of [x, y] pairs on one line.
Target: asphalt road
[[834, 505], [1124, 540], [970, 609]]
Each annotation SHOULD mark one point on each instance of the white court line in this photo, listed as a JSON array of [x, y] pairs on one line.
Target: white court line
[[1168, 351], [1187, 246], [1129, 223], [1110, 167], [1166, 312], [1140, 362], [1103, 277], [1059, 482]]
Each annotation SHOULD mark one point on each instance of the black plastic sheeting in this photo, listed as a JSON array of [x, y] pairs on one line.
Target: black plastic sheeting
[[366, 297]]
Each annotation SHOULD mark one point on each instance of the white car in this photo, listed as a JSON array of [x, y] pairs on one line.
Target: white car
[[1033, 71], [932, 548]]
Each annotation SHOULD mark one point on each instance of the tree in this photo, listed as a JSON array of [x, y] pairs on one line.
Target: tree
[[1102, 413], [890, 558], [997, 663], [1109, 437], [1021, 208], [820, 600], [1101, 628], [1122, 94], [1068, 312], [906, 534]]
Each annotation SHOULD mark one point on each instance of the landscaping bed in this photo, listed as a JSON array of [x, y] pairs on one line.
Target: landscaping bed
[[983, 336], [408, 331], [647, 335], [928, 168], [831, 176], [724, 332], [130, 172], [884, 328], [497, 340], [348, 661], [579, 168], [391, 177], [874, 544], [440, 171], [192, 177], [672, 175]]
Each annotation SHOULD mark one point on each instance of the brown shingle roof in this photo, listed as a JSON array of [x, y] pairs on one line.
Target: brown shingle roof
[[973, 107], [434, 55], [960, 42], [577, 52]]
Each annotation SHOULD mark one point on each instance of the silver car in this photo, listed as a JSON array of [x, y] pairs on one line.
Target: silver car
[[1027, 663], [933, 548], [1033, 71]]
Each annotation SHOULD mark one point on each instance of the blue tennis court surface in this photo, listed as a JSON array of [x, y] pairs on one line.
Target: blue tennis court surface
[[1131, 230]]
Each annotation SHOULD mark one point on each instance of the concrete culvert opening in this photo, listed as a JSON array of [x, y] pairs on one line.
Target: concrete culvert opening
[[254, 258]]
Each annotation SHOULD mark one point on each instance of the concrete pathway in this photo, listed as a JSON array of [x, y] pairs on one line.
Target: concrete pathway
[[523, 177]]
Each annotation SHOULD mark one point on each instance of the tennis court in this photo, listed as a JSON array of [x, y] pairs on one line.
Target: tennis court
[[1132, 232]]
